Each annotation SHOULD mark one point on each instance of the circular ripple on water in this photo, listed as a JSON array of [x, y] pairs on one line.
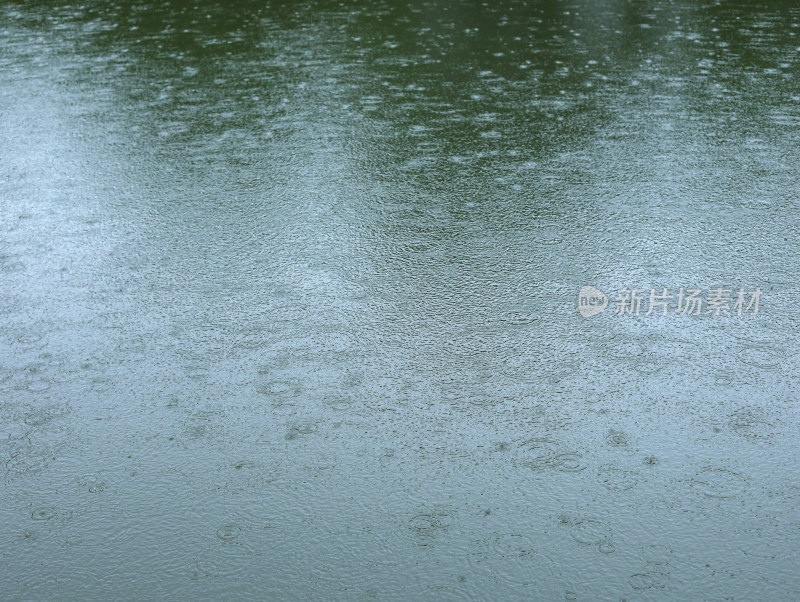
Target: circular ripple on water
[[656, 555], [30, 339], [427, 527], [92, 483], [41, 416], [196, 374], [37, 385], [649, 366], [44, 513], [500, 447], [223, 562], [28, 536], [24, 464], [568, 462], [469, 345], [519, 572], [724, 379], [654, 579], [301, 429], [519, 318], [759, 357], [443, 592], [719, 483], [245, 474], [278, 387], [135, 347], [343, 403], [618, 479], [751, 423], [537, 451], [544, 453], [280, 392], [228, 533], [590, 532], [617, 438], [197, 429], [512, 546], [548, 237]]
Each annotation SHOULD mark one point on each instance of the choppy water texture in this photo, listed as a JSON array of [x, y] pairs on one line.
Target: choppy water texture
[[289, 300]]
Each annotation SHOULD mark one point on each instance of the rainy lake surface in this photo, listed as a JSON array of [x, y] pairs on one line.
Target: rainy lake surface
[[290, 300]]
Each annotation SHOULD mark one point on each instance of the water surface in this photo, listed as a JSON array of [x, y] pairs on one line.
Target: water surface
[[289, 300]]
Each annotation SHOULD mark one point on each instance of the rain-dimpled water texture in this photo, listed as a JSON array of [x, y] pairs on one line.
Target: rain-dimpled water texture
[[289, 300]]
